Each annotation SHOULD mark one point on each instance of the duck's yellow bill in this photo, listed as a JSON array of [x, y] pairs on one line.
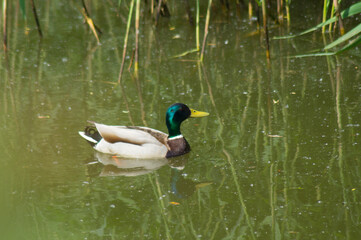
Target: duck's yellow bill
[[195, 113]]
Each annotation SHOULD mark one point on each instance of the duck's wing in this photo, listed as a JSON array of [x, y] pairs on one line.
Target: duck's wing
[[131, 135], [159, 135]]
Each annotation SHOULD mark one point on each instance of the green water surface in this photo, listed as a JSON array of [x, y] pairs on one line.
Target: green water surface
[[278, 157]]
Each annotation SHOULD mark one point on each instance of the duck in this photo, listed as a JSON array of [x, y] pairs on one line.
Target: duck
[[143, 142]]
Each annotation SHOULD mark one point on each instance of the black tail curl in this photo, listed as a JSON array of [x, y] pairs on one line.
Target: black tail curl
[[92, 132]]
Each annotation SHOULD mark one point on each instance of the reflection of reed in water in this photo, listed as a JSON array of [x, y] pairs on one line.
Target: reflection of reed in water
[[182, 187]]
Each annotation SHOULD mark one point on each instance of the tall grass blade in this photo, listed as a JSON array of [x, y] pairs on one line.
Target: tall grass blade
[[315, 55], [348, 35], [352, 44], [185, 53], [354, 9]]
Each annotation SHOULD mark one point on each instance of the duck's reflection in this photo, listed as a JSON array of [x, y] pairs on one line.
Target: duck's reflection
[[181, 187], [116, 166]]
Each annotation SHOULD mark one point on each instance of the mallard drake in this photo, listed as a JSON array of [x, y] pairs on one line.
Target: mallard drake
[[143, 142]]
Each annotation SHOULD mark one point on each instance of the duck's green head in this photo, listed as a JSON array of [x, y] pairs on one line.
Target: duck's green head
[[176, 114]]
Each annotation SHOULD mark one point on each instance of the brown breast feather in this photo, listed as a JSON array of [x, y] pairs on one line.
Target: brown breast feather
[[177, 147]]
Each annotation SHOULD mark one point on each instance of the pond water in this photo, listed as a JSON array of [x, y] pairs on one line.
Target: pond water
[[277, 158]]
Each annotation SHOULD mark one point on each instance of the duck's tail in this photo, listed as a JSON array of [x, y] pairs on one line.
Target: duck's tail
[[91, 135]]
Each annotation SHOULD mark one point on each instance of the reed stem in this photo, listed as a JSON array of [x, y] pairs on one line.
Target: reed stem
[[288, 16], [230, 161], [36, 18], [5, 41], [324, 15], [158, 196], [280, 10], [265, 28], [250, 10], [337, 10], [189, 13], [86, 12], [136, 57], [206, 29], [272, 194], [331, 16], [126, 41], [85, 8], [197, 26], [158, 12], [152, 7]]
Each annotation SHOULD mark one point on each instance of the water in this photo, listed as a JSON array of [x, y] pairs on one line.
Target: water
[[278, 157]]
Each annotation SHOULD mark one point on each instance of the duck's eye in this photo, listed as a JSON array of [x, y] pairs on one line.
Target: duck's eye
[[172, 110]]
